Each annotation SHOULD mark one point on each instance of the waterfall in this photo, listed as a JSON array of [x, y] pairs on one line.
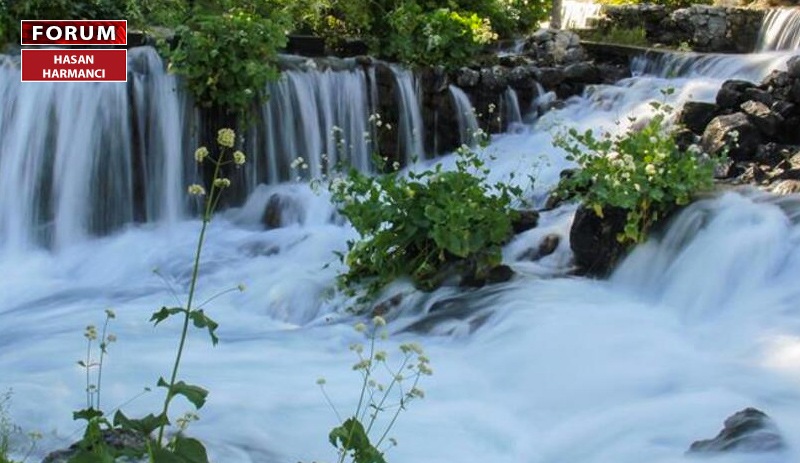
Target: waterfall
[[780, 30], [577, 14], [82, 159], [511, 110], [410, 130], [465, 115], [753, 67], [320, 116], [698, 322]]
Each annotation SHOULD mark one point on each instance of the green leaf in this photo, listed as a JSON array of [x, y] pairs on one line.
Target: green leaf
[[351, 437], [87, 414], [190, 450], [194, 394], [201, 320], [145, 425], [165, 313]]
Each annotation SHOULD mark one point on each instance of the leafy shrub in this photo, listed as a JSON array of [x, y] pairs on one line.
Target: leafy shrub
[[417, 225], [509, 18], [641, 171], [227, 58], [440, 37]]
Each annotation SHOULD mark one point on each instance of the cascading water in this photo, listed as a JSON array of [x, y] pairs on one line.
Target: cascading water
[[511, 110], [577, 14], [465, 115], [780, 30], [410, 125], [694, 325]]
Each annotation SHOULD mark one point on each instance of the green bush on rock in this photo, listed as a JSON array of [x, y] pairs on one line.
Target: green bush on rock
[[227, 57], [643, 172], [416, 225]]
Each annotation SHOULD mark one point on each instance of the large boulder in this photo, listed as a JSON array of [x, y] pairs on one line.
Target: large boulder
[[762, 117], [283, 210], [732, 93], [749, 430], [696, 115], [735, 131], [593, 240]]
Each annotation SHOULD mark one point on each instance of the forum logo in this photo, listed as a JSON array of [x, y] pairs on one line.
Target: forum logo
[[45, 63]]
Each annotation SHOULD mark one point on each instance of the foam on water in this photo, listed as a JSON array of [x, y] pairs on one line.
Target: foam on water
[[695, 325]]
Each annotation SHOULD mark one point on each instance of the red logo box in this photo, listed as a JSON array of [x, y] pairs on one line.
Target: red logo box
[[71, 65], [45, 32]]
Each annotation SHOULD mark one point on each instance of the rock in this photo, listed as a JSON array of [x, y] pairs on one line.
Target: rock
[[494, 78], [793, 67], [521, 77], [550, 77], [784, 108], [498, 274], [467, 78], [757, 94], [593, 239], [547, 246], [696, 115], [762, 117], [749, 430], [719, 133], [731, 94], [611, 74], [525, 221], [584, 72], [281, 211], [384, 307], [794, 92], [786, 187], [119, 439]]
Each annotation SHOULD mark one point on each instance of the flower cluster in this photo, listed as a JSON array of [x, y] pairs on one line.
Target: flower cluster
[[386, 388], [226, 139]]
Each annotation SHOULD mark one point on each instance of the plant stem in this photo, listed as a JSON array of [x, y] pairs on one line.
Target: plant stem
[[188, 310], [103, 346], [88, 380]]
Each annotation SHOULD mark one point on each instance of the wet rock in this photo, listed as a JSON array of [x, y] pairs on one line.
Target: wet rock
[[793, 67], [467, 78], [762, 117], [494, 78], [522, 77], [119, 439], [757, 94], [282, 211], [550, 77], [593, 240], [725, 130], [749, 430], [547, 246], [525, 221], [498, 274], [786, 187], [731, 94], [384, 307], [696, 115], [584, 72]]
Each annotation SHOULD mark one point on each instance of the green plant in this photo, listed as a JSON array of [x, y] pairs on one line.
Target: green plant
[[419, 224], [178, 448], [439, 37], [641, 171], [227, 58], [8, 430], [363, 437]]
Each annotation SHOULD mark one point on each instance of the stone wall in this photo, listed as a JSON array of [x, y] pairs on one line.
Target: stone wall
[[702, 27]]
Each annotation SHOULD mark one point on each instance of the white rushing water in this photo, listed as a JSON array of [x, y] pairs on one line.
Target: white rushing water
[[544, 369], [780, 30], [578, 14]]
